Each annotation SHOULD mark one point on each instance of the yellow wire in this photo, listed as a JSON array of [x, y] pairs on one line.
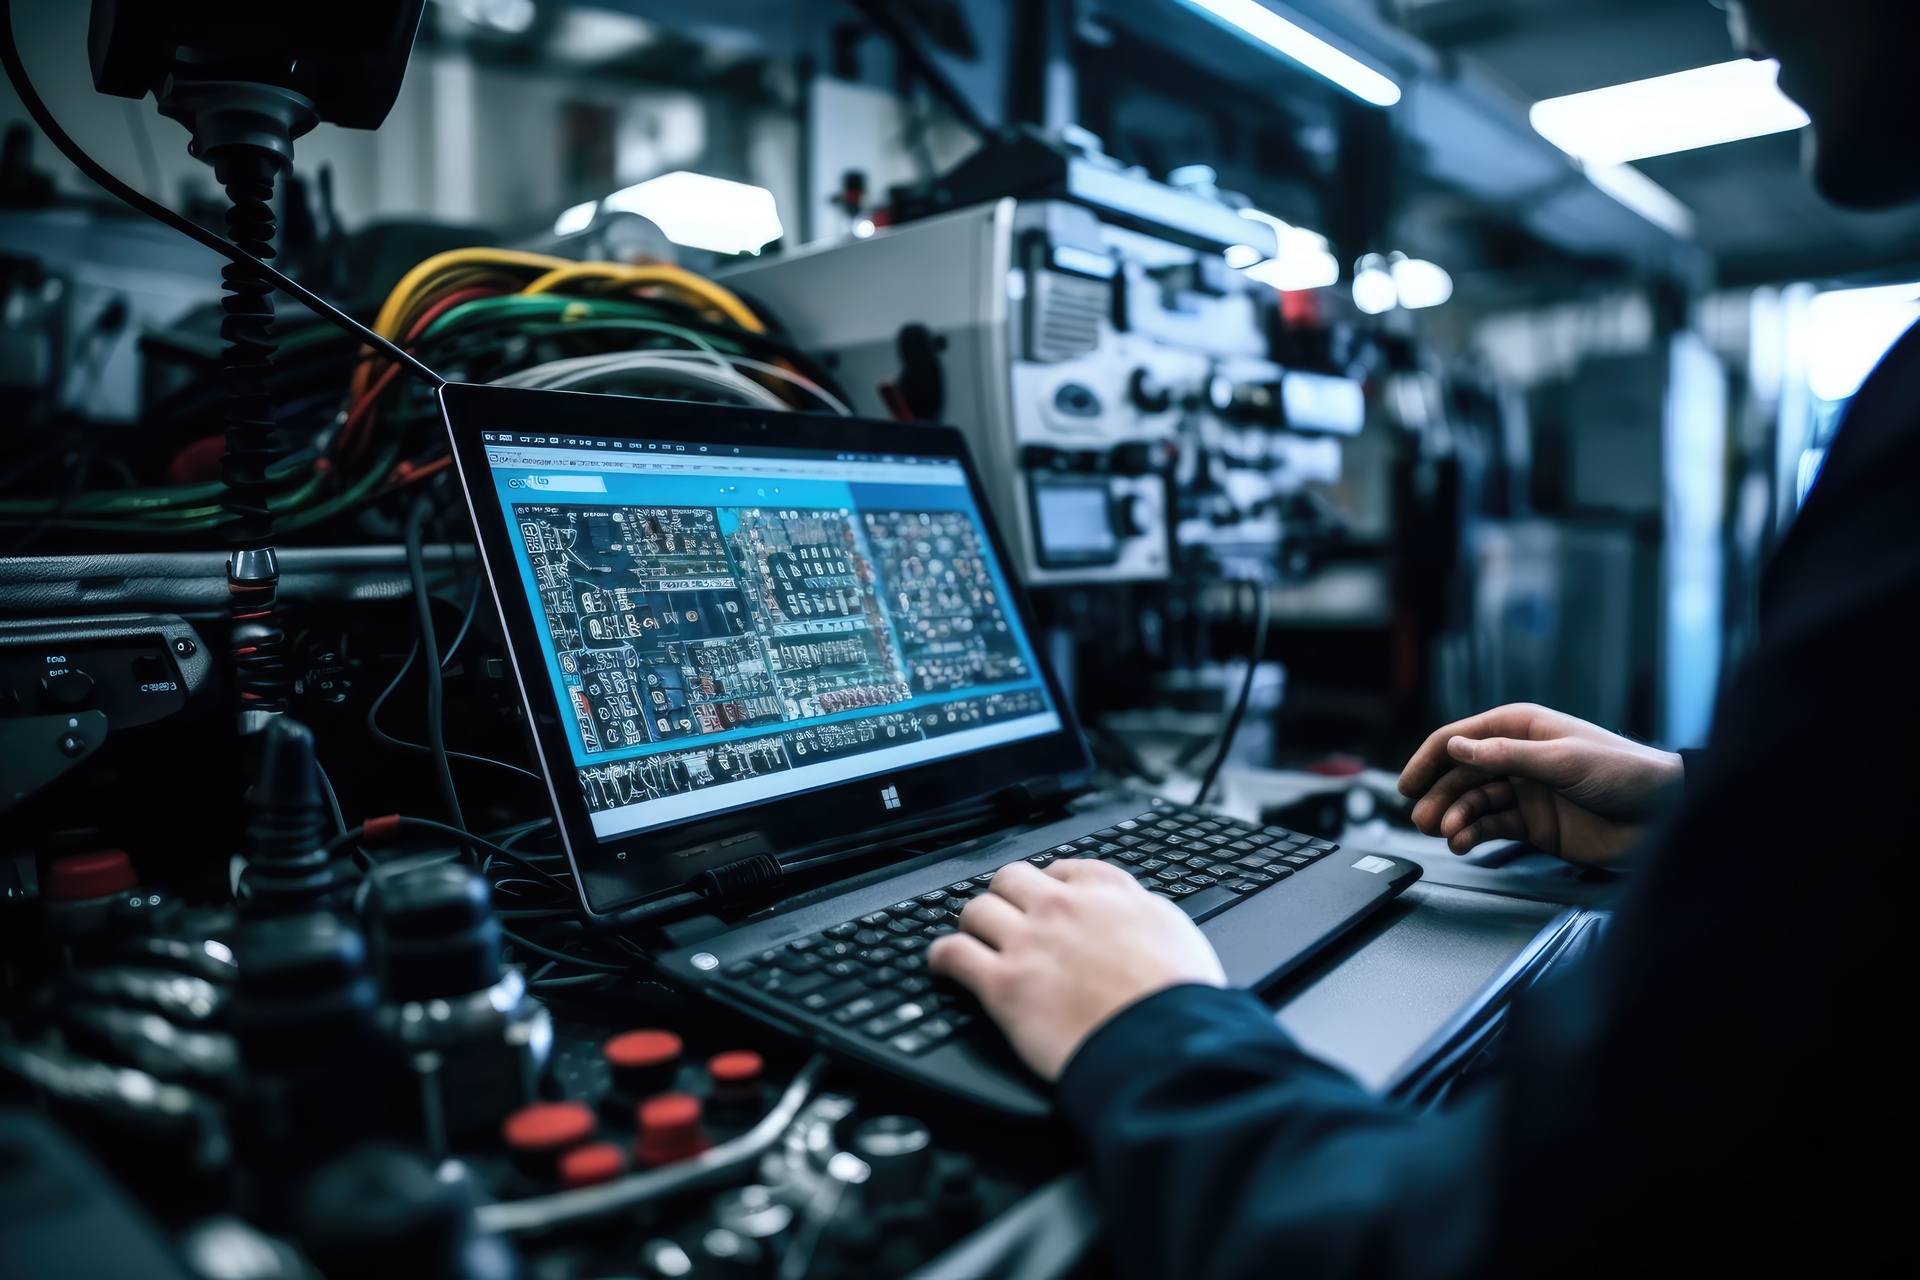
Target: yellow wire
[[722, 300], [394, 309]]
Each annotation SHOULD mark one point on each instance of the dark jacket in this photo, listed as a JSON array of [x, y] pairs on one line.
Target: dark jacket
[[1722, 1087]]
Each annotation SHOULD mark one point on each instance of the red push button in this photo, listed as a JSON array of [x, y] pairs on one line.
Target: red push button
[[670, 1129], [90, 875], [644, 1062], [548, 1126], [591, 1163]]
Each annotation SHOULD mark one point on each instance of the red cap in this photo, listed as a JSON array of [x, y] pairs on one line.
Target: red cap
[[548, 1126], [669, 1112], [90, 875], [590, 1163], [669, 1129], [736, 1066], [637, 1049]]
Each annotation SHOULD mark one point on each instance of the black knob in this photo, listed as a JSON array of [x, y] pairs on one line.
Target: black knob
[[1147, 393], [435, 933], [69, 688], [899, 1151], [305, 995], [381, 1212], [287, 869], [1130, 516]]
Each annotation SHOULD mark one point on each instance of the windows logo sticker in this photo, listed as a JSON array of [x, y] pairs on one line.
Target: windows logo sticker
[[891, 796]]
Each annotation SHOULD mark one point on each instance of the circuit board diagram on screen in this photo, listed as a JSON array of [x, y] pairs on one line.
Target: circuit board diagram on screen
[[949, 615]]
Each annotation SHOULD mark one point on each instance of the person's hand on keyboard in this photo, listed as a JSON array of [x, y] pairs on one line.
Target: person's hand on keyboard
[[1523, 772], [1053, 954]]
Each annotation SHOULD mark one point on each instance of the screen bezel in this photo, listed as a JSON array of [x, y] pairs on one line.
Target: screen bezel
[[631, 869]]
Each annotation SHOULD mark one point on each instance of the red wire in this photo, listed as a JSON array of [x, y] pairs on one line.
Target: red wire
[[407, 472], [360, 417]]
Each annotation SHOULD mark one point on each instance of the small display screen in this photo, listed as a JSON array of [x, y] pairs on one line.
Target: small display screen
[[1321, 402], [731, 625], [1075, 522]]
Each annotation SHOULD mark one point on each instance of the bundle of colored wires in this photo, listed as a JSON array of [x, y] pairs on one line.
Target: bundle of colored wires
[[479, 315]]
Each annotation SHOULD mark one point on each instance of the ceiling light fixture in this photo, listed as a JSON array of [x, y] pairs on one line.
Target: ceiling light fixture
[[1644, 196], [701, 212], [1262, 24], [1680, 112]]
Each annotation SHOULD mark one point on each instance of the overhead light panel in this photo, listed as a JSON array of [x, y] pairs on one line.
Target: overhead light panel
[[1262, 24], [1680, 112], [1644, 196], [701, 212]]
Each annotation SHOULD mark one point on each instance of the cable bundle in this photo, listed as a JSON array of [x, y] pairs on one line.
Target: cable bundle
[[477, 315]]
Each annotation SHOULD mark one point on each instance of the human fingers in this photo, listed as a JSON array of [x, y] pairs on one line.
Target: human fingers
[[1492, 797], [967, 960], [1431, 759], [1505, 825], [993, 920], [1022, 884], [1089, 871], [1456, 782], [1558, 762]]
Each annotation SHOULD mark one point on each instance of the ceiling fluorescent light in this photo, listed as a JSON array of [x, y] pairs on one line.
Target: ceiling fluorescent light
[[1688, 109], [702, 212], [1260, 23], [1644, 196]]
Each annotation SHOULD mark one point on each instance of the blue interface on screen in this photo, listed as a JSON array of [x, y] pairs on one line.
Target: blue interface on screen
[[733, 625]]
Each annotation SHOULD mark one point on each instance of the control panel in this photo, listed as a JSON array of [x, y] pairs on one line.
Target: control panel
[[64, 686], [1118, 389]]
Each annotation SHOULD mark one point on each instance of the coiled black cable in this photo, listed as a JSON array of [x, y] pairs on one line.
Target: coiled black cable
[[253, 443]]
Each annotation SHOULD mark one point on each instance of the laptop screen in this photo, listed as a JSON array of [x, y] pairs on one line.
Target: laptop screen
[[732, 624]]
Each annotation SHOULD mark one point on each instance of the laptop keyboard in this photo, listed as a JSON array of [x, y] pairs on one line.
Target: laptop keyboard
[[869, 975]]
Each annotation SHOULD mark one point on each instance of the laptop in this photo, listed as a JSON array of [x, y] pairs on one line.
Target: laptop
[[751, 641]]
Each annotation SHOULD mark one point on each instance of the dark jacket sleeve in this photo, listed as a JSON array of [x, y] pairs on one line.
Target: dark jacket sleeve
[[1718, 1089], [1219, 1148]]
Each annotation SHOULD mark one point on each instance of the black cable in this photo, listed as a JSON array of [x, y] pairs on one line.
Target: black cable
[[352, 834], [333, 801], [430, 653], [30, 98], [466, 623], [561, 957], [1234, 717], [381, 735]]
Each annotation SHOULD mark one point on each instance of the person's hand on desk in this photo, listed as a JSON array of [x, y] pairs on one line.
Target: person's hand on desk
[[1522, 772], [1053, 954]]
